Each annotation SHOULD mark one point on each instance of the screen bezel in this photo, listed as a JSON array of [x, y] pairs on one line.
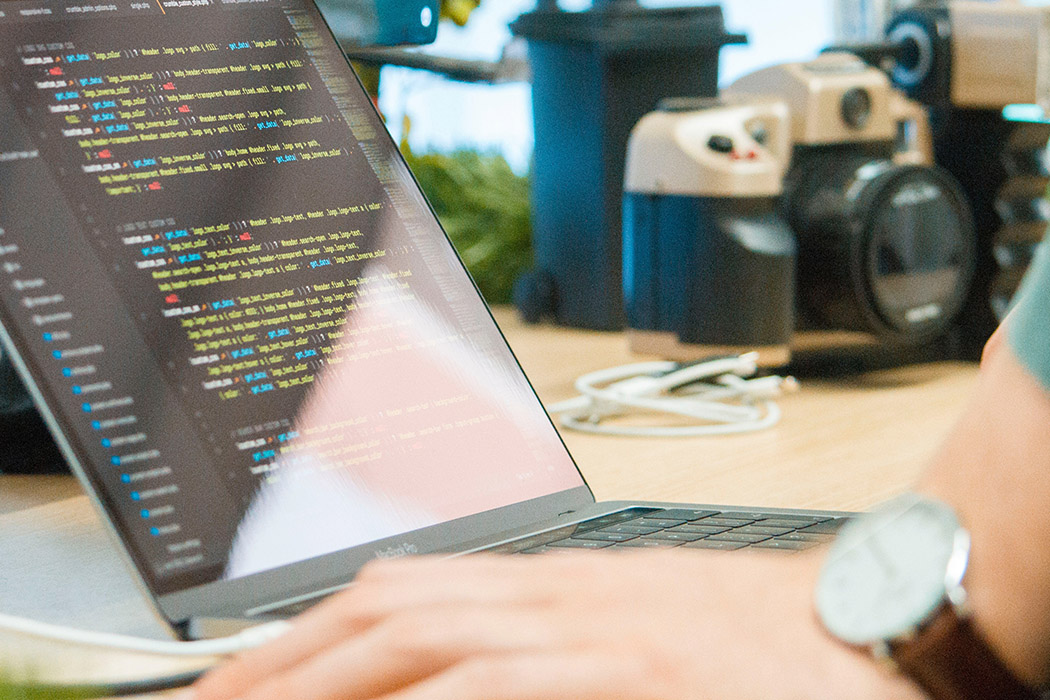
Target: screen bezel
[[235, 596]]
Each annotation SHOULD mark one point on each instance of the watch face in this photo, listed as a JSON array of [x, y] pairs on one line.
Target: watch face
[[890, 570]]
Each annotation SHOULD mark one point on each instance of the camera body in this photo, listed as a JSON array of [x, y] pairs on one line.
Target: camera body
[[983, 71], [806, 195]]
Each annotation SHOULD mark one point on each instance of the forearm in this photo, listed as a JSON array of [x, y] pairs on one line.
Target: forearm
[[995, 470]]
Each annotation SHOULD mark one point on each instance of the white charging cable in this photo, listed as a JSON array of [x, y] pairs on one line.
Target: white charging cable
[[717, 393], [246, 639]]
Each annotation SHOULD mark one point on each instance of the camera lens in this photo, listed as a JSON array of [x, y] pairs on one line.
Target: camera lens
[[917, 58], [909, 54], [856, 108], [883, 248]]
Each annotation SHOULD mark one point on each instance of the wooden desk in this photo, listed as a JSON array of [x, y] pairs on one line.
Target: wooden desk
[[844, 443]]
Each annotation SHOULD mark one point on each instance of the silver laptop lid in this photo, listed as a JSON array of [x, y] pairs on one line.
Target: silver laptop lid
[[239, 315]]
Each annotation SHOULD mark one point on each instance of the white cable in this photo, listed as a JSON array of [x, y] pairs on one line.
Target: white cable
[[770, 419], [246, 639], [716, 393]]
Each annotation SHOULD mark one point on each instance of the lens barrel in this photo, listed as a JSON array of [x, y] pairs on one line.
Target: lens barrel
[[883, 248]]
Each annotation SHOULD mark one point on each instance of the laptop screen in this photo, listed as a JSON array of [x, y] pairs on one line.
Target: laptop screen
[[237, 306]]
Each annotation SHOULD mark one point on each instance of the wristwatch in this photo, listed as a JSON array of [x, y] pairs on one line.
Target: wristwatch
[[892, 583]]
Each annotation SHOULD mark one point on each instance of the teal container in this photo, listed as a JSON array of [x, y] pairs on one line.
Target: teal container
[[595, 74]]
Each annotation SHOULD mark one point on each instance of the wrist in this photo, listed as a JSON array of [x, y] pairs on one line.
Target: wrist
[[893, 583], [1007, 605], [990, 471]]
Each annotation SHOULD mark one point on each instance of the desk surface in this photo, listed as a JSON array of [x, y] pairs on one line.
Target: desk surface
[[851, 437]]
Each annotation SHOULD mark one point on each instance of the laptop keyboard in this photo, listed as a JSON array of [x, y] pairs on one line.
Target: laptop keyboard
[[662, 528]]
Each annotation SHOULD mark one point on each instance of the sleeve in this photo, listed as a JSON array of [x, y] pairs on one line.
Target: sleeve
[[1028, 325]]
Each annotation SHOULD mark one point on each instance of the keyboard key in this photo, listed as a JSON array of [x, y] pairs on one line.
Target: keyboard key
[[650, 544], [767, 516], [728, 522], [613, 518], [780, 522], [796, 519], [676, 535], [714, 544], [683, 514], [662, 522], [698, 527], [760, 528], [828, 527], [632, 529], [745, 515], [805, 537], [732, 536], [603, 536], [579, 544], [790, 545]]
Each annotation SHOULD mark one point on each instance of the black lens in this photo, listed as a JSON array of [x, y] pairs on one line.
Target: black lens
[[908, 54], [918, 251], [883, 248], [856, 107]]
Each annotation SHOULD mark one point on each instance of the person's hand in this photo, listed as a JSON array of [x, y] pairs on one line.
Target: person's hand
[[660, 625]]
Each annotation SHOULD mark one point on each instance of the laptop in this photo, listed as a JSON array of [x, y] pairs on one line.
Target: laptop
[[246, 330]]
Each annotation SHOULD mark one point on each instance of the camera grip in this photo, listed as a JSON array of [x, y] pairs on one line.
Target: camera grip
[[706, 275]]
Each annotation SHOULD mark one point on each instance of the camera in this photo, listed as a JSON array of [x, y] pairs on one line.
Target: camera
[[983, 71], [806, 194], [895, 188]]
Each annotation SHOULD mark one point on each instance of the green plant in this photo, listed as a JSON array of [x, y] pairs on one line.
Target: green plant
[[484, 207], [16, 691]]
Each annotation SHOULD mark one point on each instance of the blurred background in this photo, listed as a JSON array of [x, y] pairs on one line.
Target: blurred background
[[471, 144], [446, 115]]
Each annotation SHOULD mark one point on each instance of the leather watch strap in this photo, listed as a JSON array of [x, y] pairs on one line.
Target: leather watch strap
[[951, 661]]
